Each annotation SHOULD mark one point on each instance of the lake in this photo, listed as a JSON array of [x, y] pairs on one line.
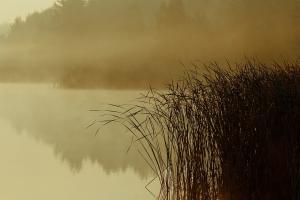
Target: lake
[[49, 153]]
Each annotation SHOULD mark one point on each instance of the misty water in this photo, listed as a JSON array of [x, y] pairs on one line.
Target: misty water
[[49, 153]]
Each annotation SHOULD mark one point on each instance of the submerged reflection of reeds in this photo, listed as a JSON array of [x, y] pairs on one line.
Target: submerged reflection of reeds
[[230, 133]]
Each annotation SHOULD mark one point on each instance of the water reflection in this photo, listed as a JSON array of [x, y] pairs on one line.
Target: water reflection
[[58, 118]]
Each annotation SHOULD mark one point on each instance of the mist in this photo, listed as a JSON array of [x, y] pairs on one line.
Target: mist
[[59, 119], [133, 44]]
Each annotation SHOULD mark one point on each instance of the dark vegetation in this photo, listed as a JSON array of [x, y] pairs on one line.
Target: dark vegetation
[[79, 43], [231, 133]]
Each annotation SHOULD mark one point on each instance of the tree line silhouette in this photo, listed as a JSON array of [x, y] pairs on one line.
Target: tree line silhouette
[[81, 17], [143, 37]]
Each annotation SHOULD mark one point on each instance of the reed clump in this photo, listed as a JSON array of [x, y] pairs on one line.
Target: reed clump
[[230, 133]]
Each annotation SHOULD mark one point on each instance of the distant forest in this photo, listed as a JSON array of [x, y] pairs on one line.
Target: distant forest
[[132, 43]]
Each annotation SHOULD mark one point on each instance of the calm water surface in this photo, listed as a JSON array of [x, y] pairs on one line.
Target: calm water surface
[[48, 153]]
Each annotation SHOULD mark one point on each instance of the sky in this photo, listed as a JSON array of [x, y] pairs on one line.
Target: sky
[[10, 9]]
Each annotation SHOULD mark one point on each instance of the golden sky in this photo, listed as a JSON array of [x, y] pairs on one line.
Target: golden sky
[[10, 9]]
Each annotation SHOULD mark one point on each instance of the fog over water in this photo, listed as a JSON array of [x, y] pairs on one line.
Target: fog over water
[[60, 118], [60, 59], [49, 154], [131, 44]]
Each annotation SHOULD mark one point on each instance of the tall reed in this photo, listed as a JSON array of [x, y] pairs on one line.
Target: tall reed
[[230, 133]]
